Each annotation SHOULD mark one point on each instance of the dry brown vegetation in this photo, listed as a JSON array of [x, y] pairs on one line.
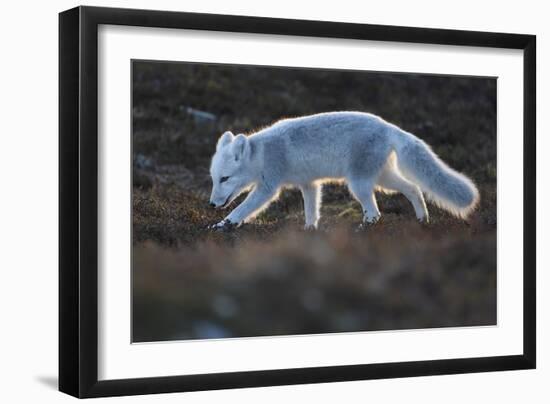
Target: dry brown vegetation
[[270, 277]]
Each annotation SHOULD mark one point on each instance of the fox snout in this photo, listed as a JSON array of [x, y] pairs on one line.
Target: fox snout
[[219, 202], [213, 204]]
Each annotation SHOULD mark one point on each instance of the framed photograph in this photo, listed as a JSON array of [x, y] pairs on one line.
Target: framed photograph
[[251, 201]]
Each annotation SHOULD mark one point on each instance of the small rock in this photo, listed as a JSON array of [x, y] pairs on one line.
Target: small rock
[[142, 162], [200, 117]]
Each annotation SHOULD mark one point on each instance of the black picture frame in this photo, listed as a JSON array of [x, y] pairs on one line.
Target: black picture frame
[[78, 201]]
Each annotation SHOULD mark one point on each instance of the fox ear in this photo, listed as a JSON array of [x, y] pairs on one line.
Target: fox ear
[[241, 147], [224, 139]]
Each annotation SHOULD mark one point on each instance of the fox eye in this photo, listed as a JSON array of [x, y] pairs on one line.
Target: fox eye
[[223, 179]]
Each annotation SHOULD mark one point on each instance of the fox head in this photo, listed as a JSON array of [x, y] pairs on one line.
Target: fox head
[[230, 169]]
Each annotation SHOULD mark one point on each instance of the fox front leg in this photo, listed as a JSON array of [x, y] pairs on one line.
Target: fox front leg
[[254, 203], [312, 204]]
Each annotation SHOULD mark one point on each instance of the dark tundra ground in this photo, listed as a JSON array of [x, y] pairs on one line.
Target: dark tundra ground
[[270, 277]]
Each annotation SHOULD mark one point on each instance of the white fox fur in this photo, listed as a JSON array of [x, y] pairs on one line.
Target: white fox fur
[[360, 148]]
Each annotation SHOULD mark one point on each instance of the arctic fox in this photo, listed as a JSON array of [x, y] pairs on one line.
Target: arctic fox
[[362, 149]]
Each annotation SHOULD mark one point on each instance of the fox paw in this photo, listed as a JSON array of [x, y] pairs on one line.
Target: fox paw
[[371, 220], [310, 227], [224, 225], [423, 220], [367, 225]]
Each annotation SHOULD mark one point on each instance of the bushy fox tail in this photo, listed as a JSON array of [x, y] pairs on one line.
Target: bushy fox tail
[[444, 186]]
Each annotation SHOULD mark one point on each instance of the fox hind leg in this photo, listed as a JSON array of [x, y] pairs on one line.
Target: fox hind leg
[[363, 190], [312, 204], [392, 179]]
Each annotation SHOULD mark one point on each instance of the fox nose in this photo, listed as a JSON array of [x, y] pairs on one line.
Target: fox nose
[[212, 204]]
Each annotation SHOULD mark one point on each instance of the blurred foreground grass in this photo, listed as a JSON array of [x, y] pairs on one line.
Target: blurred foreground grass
[[270, 277], [300, 283]]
